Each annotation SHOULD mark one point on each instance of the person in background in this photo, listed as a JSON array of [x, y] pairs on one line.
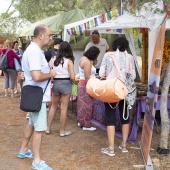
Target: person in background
[[84, 101], [108, 70], [53, 51], [20, 54], [37, 73], [62, 85], [10, 72], [100, 43]]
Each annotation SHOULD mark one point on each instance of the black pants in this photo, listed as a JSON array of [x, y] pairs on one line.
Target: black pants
[[111, 113]]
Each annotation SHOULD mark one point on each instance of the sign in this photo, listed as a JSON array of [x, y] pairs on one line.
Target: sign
[[152, 94]]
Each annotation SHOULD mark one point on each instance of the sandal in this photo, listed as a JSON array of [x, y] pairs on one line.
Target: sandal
[[123, 148], [47, 132], [66, 133], [108, 151]]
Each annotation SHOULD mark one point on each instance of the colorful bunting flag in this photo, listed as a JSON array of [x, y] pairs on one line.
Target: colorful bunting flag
[[85, 26], [92, 24], [68, 31], [72, 31], [80, 30], [77, 30], [135, 33], [143, 30], [114, 12], [88, 25], [109, 16], [119, 30], [95, 22], [128, 31], [102, 18]]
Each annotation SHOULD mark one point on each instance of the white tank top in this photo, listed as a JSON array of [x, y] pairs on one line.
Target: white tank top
[[81, 72], [62, 71]]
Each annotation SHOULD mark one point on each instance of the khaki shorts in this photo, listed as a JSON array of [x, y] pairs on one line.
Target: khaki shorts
[[39, 119]]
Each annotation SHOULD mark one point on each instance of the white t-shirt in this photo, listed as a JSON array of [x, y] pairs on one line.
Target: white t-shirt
[[103, 47], [34, 59]]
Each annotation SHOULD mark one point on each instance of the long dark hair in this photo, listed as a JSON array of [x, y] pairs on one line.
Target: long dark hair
[[121, 43], [64, 51]]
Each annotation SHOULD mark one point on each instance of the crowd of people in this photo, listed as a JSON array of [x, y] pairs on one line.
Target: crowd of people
[[57, 65]]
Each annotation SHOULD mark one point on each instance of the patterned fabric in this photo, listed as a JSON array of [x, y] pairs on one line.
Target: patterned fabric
[[84, 107], [108, 69]]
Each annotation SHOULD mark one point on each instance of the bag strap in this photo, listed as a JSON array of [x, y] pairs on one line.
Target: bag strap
[[115, 61], [6, 52], [46, 85]]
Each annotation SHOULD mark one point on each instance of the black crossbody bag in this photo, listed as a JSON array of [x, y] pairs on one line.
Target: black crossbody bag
[[31, 98]]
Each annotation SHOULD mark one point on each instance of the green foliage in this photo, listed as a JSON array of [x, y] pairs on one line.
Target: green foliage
[[34, 10]]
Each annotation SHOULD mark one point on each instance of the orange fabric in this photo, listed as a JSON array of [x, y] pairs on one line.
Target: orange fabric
[[110, 91]]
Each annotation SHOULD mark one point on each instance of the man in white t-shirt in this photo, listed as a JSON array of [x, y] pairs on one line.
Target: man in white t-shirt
[[101, 43], [37, 73]]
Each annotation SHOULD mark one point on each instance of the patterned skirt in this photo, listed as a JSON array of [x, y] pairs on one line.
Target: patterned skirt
[[84, 106]]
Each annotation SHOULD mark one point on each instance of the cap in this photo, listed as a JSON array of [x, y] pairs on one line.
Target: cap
[[95, 32]]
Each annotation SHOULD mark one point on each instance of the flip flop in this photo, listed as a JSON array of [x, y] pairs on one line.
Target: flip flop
[[66, 133]]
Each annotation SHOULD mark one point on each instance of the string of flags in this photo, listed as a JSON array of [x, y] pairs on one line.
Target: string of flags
[[84, 29]]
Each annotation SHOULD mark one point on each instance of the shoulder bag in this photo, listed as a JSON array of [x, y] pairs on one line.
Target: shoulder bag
[[31, 98]]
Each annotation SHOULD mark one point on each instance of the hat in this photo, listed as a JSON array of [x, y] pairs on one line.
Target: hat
[[58, 41], [95, 32]]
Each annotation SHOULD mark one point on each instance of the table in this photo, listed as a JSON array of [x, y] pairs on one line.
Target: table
[[135, 116]]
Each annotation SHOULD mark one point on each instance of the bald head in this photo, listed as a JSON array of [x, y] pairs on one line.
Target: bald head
[[39, 29], [42, 35]]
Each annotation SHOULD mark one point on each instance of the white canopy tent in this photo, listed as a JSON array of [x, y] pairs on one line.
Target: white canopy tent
[[145, 18]]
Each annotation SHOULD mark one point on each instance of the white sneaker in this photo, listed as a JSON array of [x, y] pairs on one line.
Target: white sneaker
[[28, 115], [90, 129], [78, 124]]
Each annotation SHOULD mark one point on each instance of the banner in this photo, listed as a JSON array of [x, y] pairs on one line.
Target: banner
[[152, 93]]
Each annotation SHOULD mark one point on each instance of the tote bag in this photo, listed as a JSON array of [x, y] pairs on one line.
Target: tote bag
[[17, 65]]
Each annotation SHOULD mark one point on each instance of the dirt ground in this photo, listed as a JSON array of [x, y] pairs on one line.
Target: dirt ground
[[79, 151]]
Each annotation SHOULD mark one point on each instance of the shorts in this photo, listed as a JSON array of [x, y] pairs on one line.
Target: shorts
[[39, 119], [62, 87]]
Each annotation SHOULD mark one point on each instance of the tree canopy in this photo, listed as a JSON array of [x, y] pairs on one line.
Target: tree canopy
[[32, 11]]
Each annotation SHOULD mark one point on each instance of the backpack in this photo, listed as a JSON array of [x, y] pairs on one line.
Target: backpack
[[3, 60]]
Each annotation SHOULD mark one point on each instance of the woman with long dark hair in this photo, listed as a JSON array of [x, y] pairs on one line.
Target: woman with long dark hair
[[127, 70], [62, 85]]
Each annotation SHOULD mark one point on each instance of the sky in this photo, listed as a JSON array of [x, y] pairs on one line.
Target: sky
[[4, 4]]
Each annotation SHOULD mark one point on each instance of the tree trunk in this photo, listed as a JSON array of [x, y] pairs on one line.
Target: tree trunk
[[163, 110]]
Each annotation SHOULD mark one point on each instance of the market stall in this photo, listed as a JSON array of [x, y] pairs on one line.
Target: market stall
[[129, 24]]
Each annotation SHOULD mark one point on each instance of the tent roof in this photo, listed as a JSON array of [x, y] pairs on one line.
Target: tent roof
[[145, 18], [57, 22]]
